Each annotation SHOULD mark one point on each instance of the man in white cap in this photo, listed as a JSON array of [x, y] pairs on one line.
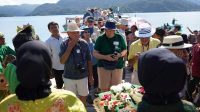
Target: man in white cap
[[94, 31], [122, 26], [76, 56], [145, 42]]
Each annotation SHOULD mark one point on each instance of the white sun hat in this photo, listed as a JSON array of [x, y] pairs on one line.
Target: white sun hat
[[72, 27], [145, 30], [123, 21], [174, 42]]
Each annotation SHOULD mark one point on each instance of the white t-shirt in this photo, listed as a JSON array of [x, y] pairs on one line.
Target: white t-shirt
[[54, 46]]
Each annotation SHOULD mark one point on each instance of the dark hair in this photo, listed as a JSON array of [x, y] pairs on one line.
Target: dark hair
[[20, 39], [127, 33], [185, 38], [51, 24], [135, 27], [178, 27], [160, 32]]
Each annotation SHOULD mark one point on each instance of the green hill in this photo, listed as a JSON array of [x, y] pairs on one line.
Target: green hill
[[16, 10], [79, 6], [126, 6]]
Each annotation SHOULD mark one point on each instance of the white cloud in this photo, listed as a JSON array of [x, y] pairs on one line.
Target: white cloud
[[4, 2], [17, 2]]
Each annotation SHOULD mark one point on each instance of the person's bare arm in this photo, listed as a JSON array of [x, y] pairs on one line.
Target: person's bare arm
[[103, 57], [134, 59], [123, 53], [190, 30], [90, 72]]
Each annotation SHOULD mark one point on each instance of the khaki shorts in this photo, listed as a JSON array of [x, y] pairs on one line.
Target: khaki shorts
[[108, 78], [79, 87]]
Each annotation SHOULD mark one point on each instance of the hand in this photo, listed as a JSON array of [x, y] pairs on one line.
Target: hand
[[8, 58], [72, 43], [110, 57], [119, 55], [116, 56], [137, 55]]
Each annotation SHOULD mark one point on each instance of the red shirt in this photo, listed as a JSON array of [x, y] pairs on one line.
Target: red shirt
[[196, 60]]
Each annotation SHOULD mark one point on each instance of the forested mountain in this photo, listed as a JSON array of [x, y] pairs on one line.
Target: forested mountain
[[16, 10], [194, 1], [79, 7], [126, 6]]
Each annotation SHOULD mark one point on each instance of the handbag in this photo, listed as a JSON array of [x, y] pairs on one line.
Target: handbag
[[109, 65]]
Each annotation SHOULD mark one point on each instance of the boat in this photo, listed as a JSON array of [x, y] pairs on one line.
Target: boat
[[96, 13]]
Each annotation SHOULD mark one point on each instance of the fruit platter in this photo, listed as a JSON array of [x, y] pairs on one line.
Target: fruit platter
[[123, 97]]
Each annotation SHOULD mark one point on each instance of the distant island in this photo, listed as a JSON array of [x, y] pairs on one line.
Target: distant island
[[65, 7]]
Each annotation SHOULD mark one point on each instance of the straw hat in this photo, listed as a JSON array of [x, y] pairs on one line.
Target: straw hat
[[124, 21], [174, 42], [72, 27]]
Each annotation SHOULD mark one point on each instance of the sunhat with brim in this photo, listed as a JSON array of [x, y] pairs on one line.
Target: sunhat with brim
[[124, 21], [110, 25], [118, 23], [89, 19], [174, 42], [145, 30], [72, 27], [85, 28]]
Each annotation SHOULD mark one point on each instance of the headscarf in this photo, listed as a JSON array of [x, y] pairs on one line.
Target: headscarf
[[162, 74], [33, 71]]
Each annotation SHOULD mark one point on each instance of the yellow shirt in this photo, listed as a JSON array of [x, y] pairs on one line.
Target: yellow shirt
[[136, 47], [57, 101]]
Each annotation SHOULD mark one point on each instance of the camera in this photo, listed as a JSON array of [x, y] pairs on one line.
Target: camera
[[81, 68], [114, 55]]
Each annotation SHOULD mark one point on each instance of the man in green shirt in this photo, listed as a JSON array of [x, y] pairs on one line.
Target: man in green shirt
[[110, 48]]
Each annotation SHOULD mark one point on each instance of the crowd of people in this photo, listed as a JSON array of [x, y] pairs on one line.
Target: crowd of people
[[95, 54]]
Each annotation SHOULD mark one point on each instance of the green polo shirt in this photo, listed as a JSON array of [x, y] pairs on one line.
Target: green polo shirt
[[104, 46]]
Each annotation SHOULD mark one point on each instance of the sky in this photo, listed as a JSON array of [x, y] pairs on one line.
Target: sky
[[18, 2]]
